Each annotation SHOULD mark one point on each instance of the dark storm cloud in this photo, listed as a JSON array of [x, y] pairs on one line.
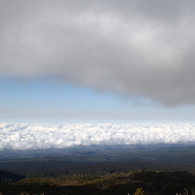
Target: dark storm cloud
[[134, 48]]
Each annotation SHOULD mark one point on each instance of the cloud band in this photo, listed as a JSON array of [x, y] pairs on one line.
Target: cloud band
[[24, 136]]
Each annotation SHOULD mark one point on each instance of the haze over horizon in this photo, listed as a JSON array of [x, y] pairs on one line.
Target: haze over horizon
[[97, 61]]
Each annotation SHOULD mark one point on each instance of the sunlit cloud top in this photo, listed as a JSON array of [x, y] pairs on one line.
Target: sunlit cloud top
[[24, 136]]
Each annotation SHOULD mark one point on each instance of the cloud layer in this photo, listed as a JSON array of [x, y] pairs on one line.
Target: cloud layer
[[24, 136], [134, 48]]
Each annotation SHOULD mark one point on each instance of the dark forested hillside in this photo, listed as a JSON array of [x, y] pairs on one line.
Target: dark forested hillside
[[100, 170], [100, 159], [9, 177]]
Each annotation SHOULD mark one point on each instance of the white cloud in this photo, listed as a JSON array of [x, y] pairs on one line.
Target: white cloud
[[23, 136]]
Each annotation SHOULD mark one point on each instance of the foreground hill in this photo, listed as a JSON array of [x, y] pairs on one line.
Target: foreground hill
[[153, 183]]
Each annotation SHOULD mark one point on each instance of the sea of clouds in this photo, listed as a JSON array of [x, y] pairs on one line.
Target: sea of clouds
[[24, 136]]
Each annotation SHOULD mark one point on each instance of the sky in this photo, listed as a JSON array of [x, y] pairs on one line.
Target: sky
[[95, 61]]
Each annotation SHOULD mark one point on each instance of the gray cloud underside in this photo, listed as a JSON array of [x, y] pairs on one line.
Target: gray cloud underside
[[136, 48], [24, 136]]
